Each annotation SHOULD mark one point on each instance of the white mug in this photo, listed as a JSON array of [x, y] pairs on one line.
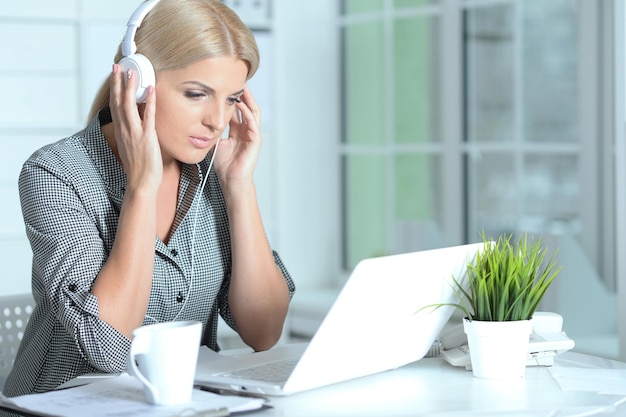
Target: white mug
[[163, 357]]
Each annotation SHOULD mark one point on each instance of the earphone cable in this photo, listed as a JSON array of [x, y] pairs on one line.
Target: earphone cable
[[195, 222], [193, 233]]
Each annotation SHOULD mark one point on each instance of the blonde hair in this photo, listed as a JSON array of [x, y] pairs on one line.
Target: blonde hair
[[177, 33]]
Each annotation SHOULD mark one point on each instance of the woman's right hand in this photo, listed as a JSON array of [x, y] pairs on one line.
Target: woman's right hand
[[135, 134], [124, 283]]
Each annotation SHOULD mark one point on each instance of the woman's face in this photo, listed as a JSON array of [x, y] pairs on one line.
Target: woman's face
[[195, 104]]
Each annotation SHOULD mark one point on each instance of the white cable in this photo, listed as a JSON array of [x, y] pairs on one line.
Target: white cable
[[193, 233], [195, 222]]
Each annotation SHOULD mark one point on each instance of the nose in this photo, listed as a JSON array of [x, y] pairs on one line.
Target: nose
[[216, 116]]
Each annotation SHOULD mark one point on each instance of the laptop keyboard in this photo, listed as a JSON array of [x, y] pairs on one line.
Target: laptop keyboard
[[269, 372]]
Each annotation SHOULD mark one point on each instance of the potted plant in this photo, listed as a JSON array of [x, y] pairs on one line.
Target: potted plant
[[499, 294]]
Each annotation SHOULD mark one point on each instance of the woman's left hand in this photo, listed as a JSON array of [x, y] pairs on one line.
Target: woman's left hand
[[258, 296], [237, 156]]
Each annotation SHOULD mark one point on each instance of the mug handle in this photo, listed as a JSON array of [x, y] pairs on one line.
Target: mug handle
[[135, 352]]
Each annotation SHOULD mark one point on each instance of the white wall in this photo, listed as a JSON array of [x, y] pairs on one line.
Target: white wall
[[307, 135]]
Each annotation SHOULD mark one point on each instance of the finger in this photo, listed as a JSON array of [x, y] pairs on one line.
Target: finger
[[248, 117], [115, 93], [150, 109], [249, 98], [122, 100], [122, 123], [130, 91], [252, 104], [235, 119]]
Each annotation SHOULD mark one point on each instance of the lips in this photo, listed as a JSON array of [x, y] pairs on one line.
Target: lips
[[201, 141]]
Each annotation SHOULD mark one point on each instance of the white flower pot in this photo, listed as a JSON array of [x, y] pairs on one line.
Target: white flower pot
[[498, 349]]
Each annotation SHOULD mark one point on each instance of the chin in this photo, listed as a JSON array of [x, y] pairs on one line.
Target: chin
[[193, 158]]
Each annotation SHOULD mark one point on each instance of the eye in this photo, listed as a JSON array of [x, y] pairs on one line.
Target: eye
[[195, 94], [233, 100]]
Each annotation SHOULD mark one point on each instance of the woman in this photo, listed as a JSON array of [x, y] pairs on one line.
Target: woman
[[146, 216]]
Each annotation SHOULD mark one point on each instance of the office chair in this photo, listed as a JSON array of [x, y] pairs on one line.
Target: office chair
[[15, 311]]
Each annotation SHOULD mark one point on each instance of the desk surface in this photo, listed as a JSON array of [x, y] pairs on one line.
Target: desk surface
[[432, 387]]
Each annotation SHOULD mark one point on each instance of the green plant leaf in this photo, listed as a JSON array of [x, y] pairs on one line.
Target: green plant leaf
[[506, 281]]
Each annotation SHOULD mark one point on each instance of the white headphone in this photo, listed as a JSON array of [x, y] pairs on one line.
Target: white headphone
[[141, 66]]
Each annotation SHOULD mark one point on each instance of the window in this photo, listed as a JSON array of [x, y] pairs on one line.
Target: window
[[468, 116], [392, 146]]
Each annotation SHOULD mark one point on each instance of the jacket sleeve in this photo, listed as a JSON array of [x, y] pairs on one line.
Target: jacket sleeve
[[68, 253]]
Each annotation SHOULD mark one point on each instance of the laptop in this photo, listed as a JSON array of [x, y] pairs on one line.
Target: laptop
[[373, 326]]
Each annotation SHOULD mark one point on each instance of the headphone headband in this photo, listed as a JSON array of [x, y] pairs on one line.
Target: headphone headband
[[138, 63], [128, 44]]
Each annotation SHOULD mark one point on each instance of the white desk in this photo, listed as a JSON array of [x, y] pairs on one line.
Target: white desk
[[432, 387]]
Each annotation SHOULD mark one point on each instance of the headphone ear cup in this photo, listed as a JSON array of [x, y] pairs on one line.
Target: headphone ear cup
[[142, 70]]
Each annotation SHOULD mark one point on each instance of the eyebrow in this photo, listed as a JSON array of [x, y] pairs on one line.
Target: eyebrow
[[210, 89]]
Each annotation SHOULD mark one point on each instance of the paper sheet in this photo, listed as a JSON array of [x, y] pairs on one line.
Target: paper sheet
[[602, 381], [124, 396]]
